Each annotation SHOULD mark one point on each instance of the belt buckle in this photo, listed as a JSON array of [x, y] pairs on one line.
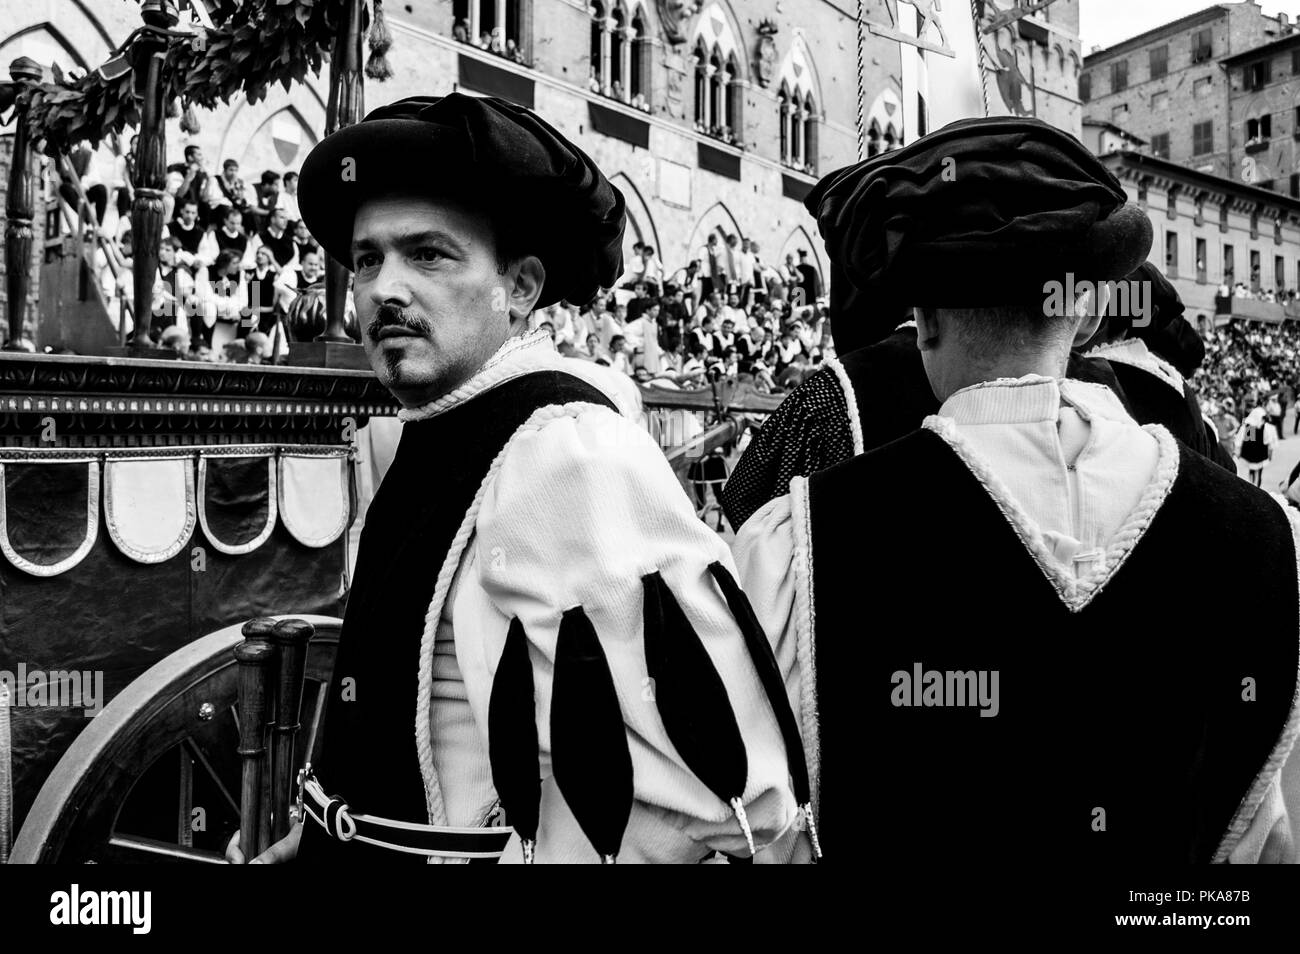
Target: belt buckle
[[296, 813]]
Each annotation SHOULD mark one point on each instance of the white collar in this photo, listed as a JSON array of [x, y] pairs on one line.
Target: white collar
[[1134, 352], [518, 356], [1033, 398]]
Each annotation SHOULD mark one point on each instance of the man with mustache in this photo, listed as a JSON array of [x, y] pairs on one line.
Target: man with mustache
[[539, 625]]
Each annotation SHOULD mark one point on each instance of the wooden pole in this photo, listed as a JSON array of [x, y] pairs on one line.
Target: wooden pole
[[19, 209], [346, 106], [292, 636], [254, 658], [261, 629], [150, 164]]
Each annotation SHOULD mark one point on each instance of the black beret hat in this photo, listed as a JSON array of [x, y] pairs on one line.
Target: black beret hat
[[982, 212], [488, 153]]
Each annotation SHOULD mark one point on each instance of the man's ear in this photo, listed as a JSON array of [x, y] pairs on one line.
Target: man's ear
[[1090, 308], [529, 276], [927, 327]]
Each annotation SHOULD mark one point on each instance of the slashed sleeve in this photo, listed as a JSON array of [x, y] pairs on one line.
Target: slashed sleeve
[[591, 559]]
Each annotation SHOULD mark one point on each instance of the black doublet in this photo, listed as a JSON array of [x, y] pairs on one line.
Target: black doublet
[[1132, 704], [369, 756]]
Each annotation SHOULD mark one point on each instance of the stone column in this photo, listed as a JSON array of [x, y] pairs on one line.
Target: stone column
[[629, 39], [606, 40]]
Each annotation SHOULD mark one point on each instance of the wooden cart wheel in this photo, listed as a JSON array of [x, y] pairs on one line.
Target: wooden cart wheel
[[155, 776]]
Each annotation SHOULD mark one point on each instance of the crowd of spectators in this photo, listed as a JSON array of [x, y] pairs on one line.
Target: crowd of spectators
[[235, 255], [232, 259], [493, 41], [1249, 365], [726, 315]]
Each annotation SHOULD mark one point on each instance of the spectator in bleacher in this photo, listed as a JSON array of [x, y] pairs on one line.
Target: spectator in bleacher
[[277, 239], [289, 197], [652, 271], [704, 336], [268, 197], [230, 190], [610, 322], [171, 188], [260, 282], [714, 277], [744, 274], [618, 355], [633, 269], [731, 261], [116, 286], [173, 290], [187, 231], [592, 350], [732, 310], [809, 281], [230, 236], [222, 298], [303, 240], [726, 338], [311, 271], [124, 179], [196, 183]]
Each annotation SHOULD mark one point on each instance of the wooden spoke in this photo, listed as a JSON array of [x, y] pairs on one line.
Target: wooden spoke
[[202, 759], [178, 706]]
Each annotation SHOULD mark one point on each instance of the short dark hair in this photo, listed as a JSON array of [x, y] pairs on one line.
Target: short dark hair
[[224, 258], [189, 200], [270, 175], [1008, 329], [290, 175], [230, 162], [191, 150], [616, 340]]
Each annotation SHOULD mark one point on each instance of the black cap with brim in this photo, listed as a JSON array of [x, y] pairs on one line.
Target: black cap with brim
[[487, 154]]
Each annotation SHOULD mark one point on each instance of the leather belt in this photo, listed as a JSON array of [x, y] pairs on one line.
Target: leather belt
[[340, 822]]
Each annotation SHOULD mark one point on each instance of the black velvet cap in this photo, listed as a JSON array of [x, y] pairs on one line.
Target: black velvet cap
[[982, 212], [489, 154]]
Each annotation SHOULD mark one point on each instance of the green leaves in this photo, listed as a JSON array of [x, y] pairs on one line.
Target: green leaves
[[258, 43]]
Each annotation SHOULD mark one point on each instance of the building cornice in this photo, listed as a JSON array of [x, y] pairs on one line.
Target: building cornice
[[1288, 42], [1165, 174], [1169, 29]]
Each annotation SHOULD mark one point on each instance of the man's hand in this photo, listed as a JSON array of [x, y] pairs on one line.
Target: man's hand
[[286, 849]]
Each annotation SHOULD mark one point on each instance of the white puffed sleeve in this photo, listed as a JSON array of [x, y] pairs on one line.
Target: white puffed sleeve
[[773, 558], [582, 508]]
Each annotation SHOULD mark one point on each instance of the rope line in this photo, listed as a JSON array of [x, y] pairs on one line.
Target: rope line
[[862, 121], [979, 46]]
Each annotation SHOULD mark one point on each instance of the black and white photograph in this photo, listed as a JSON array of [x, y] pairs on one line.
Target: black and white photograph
[[860, 433]]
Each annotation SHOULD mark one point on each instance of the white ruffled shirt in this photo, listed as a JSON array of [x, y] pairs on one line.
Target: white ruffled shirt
[[1072, 466], [580, 505]]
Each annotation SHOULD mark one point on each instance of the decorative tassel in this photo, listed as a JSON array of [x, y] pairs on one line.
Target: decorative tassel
[[512, 739], [589, 753], [692, 700], [738, 807], [377, 68], [190, 120], [381, 41], [769, 674]]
